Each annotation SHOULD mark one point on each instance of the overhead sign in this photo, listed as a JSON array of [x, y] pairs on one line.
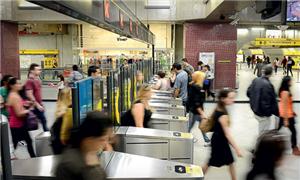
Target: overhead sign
[[272, 42], [38, 52], [111, 15]]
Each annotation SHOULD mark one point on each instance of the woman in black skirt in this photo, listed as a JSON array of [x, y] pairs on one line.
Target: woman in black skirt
[[220, 150]]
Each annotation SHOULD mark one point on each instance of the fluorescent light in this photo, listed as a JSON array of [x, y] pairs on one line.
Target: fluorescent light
[[242, 31], [258, 28]]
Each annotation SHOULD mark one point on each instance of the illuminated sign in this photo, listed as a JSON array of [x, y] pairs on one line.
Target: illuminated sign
[[276, 42]]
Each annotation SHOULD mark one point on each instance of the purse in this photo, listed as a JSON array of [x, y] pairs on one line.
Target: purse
[[206, 125], [32, 122]]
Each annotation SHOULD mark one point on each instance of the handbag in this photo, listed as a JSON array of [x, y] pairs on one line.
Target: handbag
[[31, 121], [206, 125]]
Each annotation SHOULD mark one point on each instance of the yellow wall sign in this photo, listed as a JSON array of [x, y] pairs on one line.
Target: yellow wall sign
[[38, 52], [276, 42]]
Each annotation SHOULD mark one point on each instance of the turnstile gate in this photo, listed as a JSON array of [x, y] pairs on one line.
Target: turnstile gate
[[163, 93], [166, 99], [169, 122], [168, 109], [161, 144], [118, 166]]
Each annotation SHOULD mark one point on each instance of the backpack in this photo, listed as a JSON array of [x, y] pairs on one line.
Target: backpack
[[56, 144], [293, 63]]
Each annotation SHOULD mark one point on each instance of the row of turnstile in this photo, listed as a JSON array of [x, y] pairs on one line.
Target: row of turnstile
[[164, 151]]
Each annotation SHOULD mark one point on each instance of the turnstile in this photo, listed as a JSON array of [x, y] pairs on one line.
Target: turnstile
[[168, 109], [166, 99], [42, 144], [118, 166], [169, 122], [161, 144], [163, 93]]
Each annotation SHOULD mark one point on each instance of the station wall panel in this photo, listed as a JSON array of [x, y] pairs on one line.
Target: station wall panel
[[218, 38], [9, 49]]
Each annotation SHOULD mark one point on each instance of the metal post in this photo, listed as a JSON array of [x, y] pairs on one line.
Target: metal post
[[75, 107], [5, 152], [153, 60]]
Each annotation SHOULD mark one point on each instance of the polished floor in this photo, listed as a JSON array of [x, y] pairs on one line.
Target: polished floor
[[244, 128]]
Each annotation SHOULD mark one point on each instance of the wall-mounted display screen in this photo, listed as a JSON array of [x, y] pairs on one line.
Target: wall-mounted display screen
[[293, 11]]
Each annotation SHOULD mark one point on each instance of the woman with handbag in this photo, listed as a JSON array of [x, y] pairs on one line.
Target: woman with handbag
[[18, 115], [196, 100], [220, 150]]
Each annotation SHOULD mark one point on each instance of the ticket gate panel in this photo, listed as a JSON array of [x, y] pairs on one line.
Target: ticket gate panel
[[149, 147], [160, 125], [43, 144], [127, 166], [169, 122], [165, 99], [168, 109], [181, 151]]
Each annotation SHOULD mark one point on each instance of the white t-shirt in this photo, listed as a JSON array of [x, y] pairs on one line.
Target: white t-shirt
[[60, 85], [163, 84]]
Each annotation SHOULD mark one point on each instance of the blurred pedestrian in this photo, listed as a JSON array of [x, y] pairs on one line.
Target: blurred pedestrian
[[284, 63], [81, 160], [263, 100], [258, 68], [276, 64], [17, 115], [248, 61], [196, 101], [33, 87], [222, 139], [286, 111], [75, 74], [181, 84], [267, 156], [209, 77], [139, 115], [4, 94], [289, 66]]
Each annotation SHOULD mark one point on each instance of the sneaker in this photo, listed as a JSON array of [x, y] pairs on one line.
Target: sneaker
[[296, 151], [22, 143]]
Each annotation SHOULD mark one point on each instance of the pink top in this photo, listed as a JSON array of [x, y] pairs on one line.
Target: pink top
[[14, 120]]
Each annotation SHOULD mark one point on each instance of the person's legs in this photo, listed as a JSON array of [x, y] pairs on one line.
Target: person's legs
[[205, 168], [293, 132], [291, 70], [28, 141], [41, 116], [280, 124], [192, 120], [15, 136], [232, 171]]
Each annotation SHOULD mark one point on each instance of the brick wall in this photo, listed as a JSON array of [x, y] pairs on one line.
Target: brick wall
[[9, 50], [218, 38]]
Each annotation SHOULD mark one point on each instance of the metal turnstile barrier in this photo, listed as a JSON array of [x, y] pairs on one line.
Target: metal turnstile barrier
[[163, 93], [166, 99], [42, 144], [168, 109], [169, 122], [161, 144], [118, 166]]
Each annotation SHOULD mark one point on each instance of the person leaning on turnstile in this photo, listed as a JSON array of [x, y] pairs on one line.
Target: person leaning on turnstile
[[139, 114], [162, 83], [60, 131], [196, 100], [81, 161], [181, 84]]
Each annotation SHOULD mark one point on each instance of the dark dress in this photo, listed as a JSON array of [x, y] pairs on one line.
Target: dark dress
[[128, 120], [220, 150]]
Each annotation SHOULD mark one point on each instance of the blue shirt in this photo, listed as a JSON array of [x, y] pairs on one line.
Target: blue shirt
[[181, 83]]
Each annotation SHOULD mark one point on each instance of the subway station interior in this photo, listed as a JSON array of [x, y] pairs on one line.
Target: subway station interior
[[150, 89]]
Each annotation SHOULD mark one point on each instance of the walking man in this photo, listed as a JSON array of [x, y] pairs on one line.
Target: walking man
[[263, 99], [33, 87]]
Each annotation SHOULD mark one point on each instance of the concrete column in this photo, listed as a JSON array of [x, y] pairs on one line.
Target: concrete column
[[9, 49]]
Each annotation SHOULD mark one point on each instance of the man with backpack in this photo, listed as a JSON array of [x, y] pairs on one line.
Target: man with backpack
[[289, 66], [263, 100]]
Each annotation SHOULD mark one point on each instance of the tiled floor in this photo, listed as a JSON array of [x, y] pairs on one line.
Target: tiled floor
[[244, 130]]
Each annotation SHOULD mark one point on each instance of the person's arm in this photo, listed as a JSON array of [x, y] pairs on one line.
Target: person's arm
[[138, 112], [17, 105], [284, 99], [224, 120], [66, 126], [177, 88]]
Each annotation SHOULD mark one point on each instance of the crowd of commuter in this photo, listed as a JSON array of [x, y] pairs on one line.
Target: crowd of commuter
[[22, 105]]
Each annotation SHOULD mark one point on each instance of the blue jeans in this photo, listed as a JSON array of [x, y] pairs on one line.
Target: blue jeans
[[192, 119], [42, 118]]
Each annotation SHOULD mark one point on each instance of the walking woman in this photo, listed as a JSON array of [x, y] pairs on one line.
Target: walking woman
[[286, 111], [140, 114], [196, 100], [17, 115], [220, 150]]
